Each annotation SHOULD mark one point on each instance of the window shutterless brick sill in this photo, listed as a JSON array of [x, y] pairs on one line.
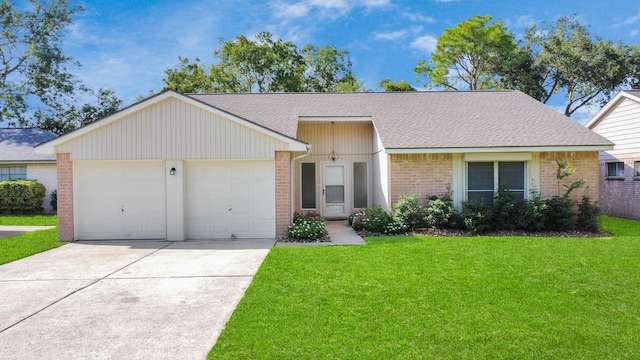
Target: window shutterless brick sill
[[615, 178]]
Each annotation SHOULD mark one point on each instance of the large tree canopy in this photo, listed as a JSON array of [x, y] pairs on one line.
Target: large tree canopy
[[466, 55], [570, 60], [37, 83], [265, 65], [388, 85], [33, 69]]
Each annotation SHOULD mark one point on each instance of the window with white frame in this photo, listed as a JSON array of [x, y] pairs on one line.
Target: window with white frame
[[13, 172], [485, 178], [636, 168], [615, 169], [308, 185]]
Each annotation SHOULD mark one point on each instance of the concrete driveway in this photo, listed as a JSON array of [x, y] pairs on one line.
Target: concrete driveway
[[124, 299]]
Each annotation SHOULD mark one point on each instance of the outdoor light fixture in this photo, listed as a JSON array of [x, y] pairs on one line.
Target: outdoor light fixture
[[172, 171]]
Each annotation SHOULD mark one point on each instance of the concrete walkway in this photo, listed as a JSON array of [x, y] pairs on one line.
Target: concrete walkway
[[340, 233], [124, 299], [13, 230]]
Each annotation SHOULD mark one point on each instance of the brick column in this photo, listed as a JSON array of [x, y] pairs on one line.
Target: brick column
[[283, 191], [65, 197]]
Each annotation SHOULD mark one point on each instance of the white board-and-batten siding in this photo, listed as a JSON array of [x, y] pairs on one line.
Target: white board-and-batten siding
[[172, 130], [622, 127]]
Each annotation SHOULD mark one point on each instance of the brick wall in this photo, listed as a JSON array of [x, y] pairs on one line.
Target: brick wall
[[619, 197], [65, 197], [420, 174], [585, 166], [283, 191]]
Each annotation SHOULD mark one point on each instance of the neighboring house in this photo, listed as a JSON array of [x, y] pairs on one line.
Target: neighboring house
[[619, 122], [238, 165], [18, 159]]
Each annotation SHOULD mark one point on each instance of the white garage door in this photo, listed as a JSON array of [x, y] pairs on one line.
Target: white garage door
[[120, 200], [227, 198]]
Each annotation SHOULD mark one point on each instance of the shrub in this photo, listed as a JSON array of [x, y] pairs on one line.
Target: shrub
[[441, 213], [408, 212], [376, 220], [21, 197], [505, 210], [308, 226], [476, 216], [588, 215], [559, 213], [54, 200], [532, 213]]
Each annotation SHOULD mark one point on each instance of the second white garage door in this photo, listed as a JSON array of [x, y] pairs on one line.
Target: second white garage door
[[230, 198]]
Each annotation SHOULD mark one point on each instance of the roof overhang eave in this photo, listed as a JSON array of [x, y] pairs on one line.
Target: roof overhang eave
[[459, 150]]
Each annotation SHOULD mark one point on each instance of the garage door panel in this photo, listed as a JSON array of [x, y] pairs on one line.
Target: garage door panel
[[120, 200], [238, 194]]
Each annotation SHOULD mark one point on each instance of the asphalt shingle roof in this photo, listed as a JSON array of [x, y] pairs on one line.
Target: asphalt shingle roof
[[420, 119], [16, 144]]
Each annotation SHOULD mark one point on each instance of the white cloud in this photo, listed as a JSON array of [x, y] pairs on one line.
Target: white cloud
[[415, 17], [391, 36], [376, 3], [426, 43], [631, 20], [634, 32], [290, 11]]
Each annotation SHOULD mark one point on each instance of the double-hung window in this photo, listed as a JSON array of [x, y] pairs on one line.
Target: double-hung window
[[485, 178], [13, 172], [615, 169]]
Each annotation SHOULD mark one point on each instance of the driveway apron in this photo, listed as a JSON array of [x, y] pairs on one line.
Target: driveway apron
[[124, 299]]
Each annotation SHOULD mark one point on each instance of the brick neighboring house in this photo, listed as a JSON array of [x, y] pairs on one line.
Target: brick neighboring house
[[18, 159], [619, 122], [181, 167]]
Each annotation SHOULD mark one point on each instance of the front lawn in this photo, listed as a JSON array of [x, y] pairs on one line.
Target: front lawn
[[35, 220], [444, 298], [27, 244]]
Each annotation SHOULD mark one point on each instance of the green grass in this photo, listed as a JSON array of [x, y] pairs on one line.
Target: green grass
[[27, 244], [35, 220], [444, 298]]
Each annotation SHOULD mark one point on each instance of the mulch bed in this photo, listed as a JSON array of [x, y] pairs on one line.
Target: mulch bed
[[466, 233]]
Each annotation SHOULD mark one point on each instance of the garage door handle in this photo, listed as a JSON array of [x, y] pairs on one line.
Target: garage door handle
[[122, 209]]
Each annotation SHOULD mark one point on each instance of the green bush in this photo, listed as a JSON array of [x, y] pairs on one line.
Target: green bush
[[376, 220], [54, 200], [558, 216], [505, 210], [588, 215], [307, 226], [408, 212], [532, 213], [476, 216], [21, 197], [441, 213]]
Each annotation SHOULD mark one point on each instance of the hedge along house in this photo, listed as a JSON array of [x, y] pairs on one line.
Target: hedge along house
[[18, 159], [239, 165]]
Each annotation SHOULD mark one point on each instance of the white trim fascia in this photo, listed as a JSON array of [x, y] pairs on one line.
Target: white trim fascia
[[335, 118], [49, 147], [498, 149], [610, 106], [27, 162]]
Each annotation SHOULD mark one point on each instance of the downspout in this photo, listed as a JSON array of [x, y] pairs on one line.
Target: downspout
[[307, 153]]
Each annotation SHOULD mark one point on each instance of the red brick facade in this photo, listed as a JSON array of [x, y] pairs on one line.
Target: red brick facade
[[585, 166], [283, 191], [65, 197], [619, 197], [420, 174]]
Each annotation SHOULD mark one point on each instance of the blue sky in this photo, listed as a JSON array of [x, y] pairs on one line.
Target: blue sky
[[126, 45]]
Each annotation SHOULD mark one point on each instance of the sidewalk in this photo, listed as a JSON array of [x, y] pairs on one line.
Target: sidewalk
[[13, 230], [340, 233]]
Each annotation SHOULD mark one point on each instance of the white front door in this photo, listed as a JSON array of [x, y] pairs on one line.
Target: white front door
[[334, 190]]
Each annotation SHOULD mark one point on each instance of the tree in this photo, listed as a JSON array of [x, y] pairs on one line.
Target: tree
[[466, 55], [34, 72], [389, 85], [69, 119], [572, 61], [265, 65]]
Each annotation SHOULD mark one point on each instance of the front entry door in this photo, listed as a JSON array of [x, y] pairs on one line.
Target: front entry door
[[334, 190]]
